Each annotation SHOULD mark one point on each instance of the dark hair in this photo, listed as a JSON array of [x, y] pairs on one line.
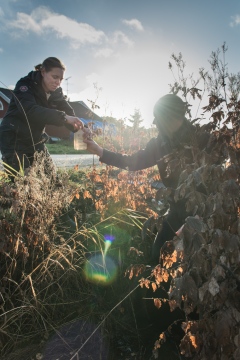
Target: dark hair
[[169, 106], [49, 63]]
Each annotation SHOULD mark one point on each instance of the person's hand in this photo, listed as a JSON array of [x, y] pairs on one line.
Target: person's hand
[[75, 122], [92, 146], [87, 133]]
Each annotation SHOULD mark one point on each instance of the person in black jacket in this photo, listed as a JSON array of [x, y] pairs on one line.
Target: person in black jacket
[[173, 130], [37, 100]]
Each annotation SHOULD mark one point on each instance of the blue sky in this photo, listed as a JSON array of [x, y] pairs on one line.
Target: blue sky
[[123, 46]]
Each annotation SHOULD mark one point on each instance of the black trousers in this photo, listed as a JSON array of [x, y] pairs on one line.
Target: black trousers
[[18, 161], [13, 163], [174, 220]]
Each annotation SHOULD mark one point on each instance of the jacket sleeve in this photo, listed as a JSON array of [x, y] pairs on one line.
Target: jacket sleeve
[[34, 113], [63, 105], [142, 159], [66, 107]]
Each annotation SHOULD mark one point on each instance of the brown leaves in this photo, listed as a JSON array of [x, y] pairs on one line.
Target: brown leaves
[[169, 257], [154, 286], [210, 237], [195, 92], [157, 303], [162, 339], [214, 102], [190, 345], [195, 202], [217, 116], [122, 189], [160, 274], [87, 195], [184, 289], [145, 282], [196, 224], [135, 270], [222, 327], [208, 245]]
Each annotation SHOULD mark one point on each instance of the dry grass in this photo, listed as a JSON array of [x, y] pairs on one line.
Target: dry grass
[[43, 284]]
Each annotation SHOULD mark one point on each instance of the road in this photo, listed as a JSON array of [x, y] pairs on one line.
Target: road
[[69, 161]]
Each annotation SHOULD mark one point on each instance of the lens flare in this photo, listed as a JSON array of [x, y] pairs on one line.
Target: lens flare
[[100, 269], [108, 241]]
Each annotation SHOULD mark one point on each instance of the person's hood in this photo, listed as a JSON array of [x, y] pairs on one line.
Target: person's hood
[[36, 77]]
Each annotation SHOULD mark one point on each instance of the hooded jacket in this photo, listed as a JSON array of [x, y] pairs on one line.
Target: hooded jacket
[[28, 113]]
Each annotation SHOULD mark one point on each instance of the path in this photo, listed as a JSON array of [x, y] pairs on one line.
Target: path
[[69, 161]]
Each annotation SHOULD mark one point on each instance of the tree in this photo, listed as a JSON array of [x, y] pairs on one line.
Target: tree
[[136, 121], [137, 130]]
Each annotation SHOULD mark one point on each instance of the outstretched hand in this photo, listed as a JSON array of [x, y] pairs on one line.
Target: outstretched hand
[[92, 146]]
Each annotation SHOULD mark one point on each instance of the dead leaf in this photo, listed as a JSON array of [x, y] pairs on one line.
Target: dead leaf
[[157, 303]]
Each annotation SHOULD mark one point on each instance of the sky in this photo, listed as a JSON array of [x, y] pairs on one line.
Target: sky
[[116, 51]]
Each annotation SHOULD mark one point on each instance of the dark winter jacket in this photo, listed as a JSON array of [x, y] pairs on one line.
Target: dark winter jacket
[[28, 113], [154, 153]]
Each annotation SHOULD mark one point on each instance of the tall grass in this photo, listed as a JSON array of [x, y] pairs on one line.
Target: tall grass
[[43, 279]]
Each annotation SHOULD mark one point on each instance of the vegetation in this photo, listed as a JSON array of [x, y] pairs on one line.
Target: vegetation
[[119, 137], [203, 259], [48, 279], [87, 291], [63, 147]]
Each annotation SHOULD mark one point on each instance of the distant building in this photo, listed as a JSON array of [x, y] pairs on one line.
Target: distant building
[[83, 112], [5, 97]]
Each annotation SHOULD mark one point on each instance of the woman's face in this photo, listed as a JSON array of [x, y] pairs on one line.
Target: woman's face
[[51, 80], [168, 126]]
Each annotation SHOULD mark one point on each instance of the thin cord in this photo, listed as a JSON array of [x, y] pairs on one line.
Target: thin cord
[[100, 324]]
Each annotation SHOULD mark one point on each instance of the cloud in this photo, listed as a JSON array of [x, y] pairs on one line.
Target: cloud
[[25, 23], [134, 24], [104, 53], [42, 20], [120, 37], [1, 50], [235, 20]]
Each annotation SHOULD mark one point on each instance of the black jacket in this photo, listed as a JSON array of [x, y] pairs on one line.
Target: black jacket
[[28, 113], [154, 153]]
